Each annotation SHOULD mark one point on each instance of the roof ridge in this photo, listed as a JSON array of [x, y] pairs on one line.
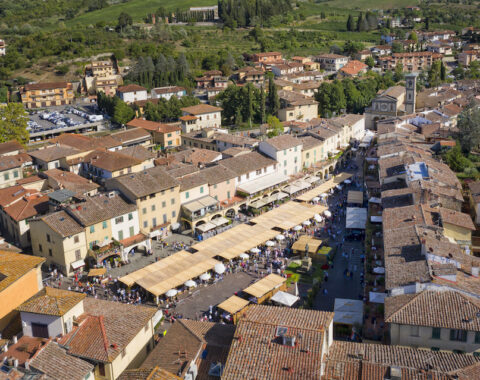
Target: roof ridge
[[404, 306], [104, 333]]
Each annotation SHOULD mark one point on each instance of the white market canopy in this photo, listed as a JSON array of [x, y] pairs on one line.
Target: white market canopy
[[377, 297], [349, 312], [219, 221], [262, 183], [204, 227], [284, 298], [200, 204], [356, 218]]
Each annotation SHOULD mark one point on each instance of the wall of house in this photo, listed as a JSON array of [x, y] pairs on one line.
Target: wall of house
[[63, 249], [128, 227], [247, 177], [135, 352], [99, 233], [457, 233], [10, 176], [312, 155], [223, 190], [17, 293], [290, 160], [298, 113], [54, 323], [402, 335], [208, 120], [194, 193], [171, 197], [171, 139], [194, 143], [130, 97]]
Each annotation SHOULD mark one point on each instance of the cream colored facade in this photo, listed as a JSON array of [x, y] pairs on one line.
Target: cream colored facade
[[224, 190], [194, 193], [10, 177], [313, 155], [460, 234], [421, 336], [58, 250], [154, 209], [305, 112]]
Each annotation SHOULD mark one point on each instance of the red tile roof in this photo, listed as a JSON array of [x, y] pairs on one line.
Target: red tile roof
[[131, 88]]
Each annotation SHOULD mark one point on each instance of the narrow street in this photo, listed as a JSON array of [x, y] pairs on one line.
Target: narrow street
[[348, 258]]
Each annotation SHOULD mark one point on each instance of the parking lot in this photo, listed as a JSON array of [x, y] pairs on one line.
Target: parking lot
[[63, 119]]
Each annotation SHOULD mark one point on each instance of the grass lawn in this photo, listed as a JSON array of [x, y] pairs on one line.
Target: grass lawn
[[138, 9], [307, 278]]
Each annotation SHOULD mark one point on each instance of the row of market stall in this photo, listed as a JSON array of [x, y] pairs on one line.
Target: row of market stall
[[206, 256]]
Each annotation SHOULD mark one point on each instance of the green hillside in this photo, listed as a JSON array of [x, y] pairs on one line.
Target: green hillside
[[138, 9], [372, 4]]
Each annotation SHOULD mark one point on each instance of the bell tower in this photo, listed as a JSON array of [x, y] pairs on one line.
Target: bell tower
[[410, 92]]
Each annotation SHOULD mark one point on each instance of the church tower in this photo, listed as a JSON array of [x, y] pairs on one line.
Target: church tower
[[410, 92]]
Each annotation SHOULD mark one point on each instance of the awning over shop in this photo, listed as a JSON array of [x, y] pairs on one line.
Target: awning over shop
[[304, 241], [284, 298], [200, 204], [312, 179], [204, 227], [97, 272], [349, 312], [233, 304], [259, 203], [265, 285], [219, 221], [78, 264], [262, 183], [356, 218], [324, 187], [355, 197]]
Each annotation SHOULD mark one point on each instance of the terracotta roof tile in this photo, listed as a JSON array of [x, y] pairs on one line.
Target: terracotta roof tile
[[27, 207], [110, 161], [15, 265], [51, 301], [130, 135], [53, 361], [131, 88], [63, 224], [106, 329], [443, 309], [201, 109], [247, 163], [11, 146]]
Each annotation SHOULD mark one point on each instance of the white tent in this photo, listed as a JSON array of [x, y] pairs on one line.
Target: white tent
[[219, 268], [190, 284], [171, 293], [377, 297], [205, 276], [356, 218], [269, 243], [244, 256], [284, 298], [255, 250], [280, 237], [327, 213], [348, 311], [297, 228]]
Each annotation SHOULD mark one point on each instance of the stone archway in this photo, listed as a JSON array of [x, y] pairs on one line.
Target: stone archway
[[216, 216], [230, 213], [331, 169]]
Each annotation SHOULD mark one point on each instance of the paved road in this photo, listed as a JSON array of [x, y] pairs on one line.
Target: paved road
[[338, 284], [198, 303]]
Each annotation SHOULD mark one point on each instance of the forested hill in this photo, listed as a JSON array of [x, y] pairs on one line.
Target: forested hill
[[241, 13]]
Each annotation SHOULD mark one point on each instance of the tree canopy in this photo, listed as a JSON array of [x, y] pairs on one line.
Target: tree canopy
[[13, 123], [469, 127]]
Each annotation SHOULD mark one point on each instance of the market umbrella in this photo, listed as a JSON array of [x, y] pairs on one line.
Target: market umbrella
[[280, 237], [324, 195], [171, 293], [255, 250], [327, 213], [219, 268], [316, 199], [347, 181], [306, 223], [297, 228], [269, 243], [205, 277], [318, 219], [244, 256], [190, 284]]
